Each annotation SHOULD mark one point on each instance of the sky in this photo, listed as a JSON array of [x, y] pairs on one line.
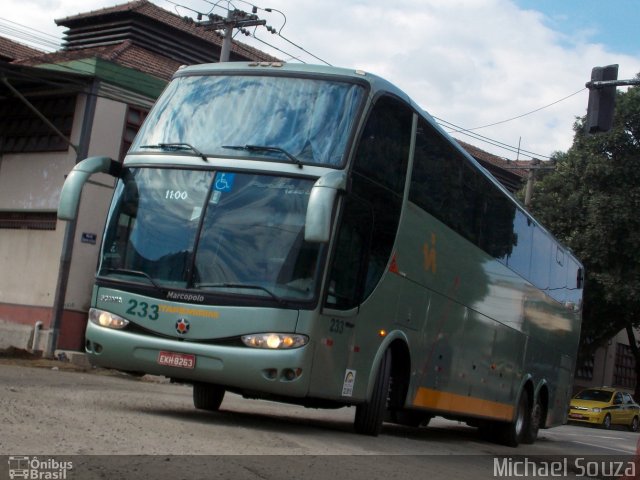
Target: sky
[[507, 76]]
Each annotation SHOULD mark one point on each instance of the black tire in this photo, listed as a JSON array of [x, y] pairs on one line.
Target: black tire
[[207, 396], [369, 415], [606, 423], [410, 418], [635, 423], [530, 433], [513, 432]]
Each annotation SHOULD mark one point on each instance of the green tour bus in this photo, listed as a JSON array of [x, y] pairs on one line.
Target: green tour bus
[[308, 234]]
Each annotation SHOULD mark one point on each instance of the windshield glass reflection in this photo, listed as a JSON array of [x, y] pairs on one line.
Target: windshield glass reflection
[[224, 232], [310, 119]]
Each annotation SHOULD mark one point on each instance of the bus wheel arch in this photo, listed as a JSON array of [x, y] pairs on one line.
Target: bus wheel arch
[[390, 387], [399, 389], [400, 374]]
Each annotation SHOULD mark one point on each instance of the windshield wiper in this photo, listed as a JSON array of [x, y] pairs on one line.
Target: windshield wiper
[[138, 273], [173, 147], [240, 285], [266, 148]]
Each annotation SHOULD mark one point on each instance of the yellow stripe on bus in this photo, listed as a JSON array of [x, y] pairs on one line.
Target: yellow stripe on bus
[[451, 402]]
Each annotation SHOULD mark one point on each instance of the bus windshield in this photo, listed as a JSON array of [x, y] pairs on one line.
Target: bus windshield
[[309, 120], [215, 231]]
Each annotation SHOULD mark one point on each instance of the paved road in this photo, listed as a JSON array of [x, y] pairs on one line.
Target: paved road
[[101, 418]]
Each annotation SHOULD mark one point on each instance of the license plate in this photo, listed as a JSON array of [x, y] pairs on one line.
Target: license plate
[[577, 415], [174, 359]]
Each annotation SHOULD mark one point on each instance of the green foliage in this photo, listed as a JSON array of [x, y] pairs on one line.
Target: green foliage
[[591, 202]]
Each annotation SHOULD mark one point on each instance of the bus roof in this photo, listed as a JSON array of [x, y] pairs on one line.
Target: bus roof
[[272, 68]]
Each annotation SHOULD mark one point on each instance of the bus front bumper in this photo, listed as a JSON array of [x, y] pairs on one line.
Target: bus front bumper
[[277, 372]]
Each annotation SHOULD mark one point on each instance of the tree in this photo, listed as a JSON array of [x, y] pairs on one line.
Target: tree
[[591, 202]]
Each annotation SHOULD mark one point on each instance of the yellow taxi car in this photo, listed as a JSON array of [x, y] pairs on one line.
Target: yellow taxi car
[[605, 406]]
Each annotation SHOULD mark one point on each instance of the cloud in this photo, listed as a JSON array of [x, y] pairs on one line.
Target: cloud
[[469, 62]]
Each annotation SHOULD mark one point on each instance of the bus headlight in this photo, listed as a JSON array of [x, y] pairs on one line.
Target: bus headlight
[[275, 341], [106, 319]]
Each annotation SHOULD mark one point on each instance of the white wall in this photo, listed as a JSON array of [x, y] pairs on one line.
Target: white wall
[[33, 181], [29, 259], [106, 138], [29, 265]]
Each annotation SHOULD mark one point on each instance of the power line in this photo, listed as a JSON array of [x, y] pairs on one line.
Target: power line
[[306, 51], [278, 49], [490, 141], [28, 34], [528, 113]]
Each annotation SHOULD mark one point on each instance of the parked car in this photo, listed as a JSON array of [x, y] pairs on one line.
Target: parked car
[[605, 406]]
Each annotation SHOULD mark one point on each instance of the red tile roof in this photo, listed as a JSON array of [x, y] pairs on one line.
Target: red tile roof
[[10, 50], [517, 167], [125, 54]]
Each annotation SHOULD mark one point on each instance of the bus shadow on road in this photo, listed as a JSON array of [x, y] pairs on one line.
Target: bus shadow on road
[[299, 423]]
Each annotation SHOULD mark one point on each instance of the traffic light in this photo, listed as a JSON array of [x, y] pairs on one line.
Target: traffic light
[[601, 99]]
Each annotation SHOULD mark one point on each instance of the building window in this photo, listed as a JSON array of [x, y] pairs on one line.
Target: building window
[[624, 373], [135, 117], [21, 130], [585, 370], [28, 220]]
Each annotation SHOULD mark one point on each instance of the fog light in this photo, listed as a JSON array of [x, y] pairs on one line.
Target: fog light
[[290, 374], [270, 373]]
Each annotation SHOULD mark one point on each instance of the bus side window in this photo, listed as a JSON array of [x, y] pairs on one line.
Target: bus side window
[[379, 173], [348, 265]]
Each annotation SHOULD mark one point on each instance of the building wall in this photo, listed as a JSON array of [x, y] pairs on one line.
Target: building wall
[[33, 181], [106, 137], [609, 366], [30, 259]]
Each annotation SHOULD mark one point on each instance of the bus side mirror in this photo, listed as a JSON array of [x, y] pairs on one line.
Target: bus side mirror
[[317, 227], [72, 188]]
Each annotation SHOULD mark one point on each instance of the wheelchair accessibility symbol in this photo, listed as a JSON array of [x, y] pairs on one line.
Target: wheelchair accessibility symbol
[[224, 182]]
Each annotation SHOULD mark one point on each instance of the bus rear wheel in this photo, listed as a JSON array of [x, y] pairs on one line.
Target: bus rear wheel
[[513, 433], [207, 396], [369, 415], [530, 433]]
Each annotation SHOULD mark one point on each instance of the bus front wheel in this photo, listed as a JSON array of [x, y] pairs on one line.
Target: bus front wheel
[[369, 415], [207, 396]]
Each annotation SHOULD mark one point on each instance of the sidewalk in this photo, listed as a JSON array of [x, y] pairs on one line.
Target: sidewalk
[[63, 359]]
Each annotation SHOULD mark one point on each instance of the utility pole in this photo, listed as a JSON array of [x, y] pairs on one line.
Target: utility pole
[[534, 165], [531, 176], [235, 19]]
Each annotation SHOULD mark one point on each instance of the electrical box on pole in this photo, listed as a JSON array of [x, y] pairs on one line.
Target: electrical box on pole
[[602, 99], [235, 19]]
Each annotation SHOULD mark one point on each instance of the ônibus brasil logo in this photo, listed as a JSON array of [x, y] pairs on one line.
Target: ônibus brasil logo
[[35, 468]]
